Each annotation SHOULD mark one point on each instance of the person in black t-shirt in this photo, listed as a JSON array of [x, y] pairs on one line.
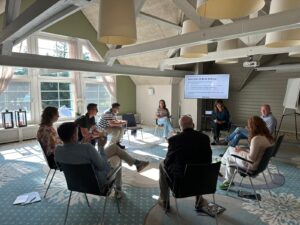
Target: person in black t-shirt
[[87, 132]]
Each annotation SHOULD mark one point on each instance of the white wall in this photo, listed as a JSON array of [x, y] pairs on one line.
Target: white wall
[[146, 105], [187, 106]]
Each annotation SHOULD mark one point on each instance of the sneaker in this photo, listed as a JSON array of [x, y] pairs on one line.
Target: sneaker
[[164, 204], [142, 165], [199, 204], [225, 185], [213, 143], [223, 142], [121, 146]]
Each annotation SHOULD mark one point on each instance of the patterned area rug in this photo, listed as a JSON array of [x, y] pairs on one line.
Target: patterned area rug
[[22, 170]]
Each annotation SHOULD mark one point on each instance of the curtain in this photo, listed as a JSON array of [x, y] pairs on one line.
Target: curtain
[[6, 75], [108, 80]]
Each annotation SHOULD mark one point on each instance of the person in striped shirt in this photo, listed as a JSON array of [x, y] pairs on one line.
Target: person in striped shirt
[[112, 125]]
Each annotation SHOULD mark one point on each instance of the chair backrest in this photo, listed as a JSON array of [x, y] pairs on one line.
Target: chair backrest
[[199, 179], [277, 144], [129, 117], [81, 178], [265, 160], [51, 164]]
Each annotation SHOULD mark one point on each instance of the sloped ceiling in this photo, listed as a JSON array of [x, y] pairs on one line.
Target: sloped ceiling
[[146, 31]]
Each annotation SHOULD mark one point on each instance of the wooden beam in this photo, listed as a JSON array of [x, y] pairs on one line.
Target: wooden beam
[[280, 21], [160, 21], [12, 10], [48, 62]]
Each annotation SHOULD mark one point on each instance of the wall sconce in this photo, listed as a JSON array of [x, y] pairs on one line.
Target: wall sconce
[[151, 91]]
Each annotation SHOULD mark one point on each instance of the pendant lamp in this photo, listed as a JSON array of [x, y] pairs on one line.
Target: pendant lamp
[[228, 9], [286, 38], [227, 45], [117, 24], [189, 26]]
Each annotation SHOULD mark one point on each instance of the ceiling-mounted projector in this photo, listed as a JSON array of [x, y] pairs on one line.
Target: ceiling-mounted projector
[[251, 63]]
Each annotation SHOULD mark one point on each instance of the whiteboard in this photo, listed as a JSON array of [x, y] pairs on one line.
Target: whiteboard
[[291, 98]]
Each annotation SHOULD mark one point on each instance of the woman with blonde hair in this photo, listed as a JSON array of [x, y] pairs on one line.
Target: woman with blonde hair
[[260, 139]]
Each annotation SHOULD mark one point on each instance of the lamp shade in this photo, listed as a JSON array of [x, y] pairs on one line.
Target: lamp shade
[[294, 54], [228, 9], [227, 45], [117, 24], [189, 26], [286, 38]]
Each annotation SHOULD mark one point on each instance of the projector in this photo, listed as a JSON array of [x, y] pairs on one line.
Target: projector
[[251, 64]]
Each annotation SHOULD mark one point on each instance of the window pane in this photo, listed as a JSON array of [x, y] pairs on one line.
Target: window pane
[[21, 48], [53, 48], [47, 86], [57, 74], [59, 95], [15, 97], [97, 93]]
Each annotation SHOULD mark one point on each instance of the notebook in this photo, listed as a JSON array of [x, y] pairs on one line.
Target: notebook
[[27, 198]]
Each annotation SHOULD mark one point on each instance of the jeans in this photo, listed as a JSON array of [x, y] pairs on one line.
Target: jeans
[[167, 125], [238, 134]]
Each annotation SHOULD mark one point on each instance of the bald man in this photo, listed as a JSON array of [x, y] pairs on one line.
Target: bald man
[[188, 147]]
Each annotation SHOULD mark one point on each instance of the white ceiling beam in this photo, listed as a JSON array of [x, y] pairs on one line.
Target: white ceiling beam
[[48, 62], [229, 54], [38, 16], [274, 22], [12, 10]]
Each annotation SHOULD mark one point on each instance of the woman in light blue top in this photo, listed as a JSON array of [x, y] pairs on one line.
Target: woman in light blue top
[[163, 118]]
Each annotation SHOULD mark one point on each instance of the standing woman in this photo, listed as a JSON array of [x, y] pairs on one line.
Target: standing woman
[[220, 119], [260, 139], [163, 118], [47, 135]]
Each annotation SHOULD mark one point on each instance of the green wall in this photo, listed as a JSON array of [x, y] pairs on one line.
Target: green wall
[[77, 25], [126, 94]]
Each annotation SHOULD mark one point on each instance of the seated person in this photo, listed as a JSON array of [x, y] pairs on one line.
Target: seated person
[[242, 133], [220, 121], [259, 138], [115, 150], [47, 135], [88, 132], [163, 118], [112, 126], [187, 147]]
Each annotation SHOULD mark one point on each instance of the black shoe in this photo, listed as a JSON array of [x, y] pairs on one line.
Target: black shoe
[[214, 143], [121, 146]]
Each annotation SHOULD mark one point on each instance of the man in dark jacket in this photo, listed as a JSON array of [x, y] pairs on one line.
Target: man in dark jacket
[[188, 147]]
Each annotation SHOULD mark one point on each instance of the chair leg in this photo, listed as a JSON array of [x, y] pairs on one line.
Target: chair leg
[[128, 136], [49, 184], [47, 176], [155, 130], [66, 216], [235, 172], [254, 192], [87, 201], [177, 211], [267, 184], [117, 200], [270, 174], [216, 212], [241, 181], [103, 212]]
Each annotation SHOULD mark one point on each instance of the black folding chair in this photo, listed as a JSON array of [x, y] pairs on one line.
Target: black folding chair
[[246, 172], [198, 179], [52, 166], [131, 124], [82, 178]]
